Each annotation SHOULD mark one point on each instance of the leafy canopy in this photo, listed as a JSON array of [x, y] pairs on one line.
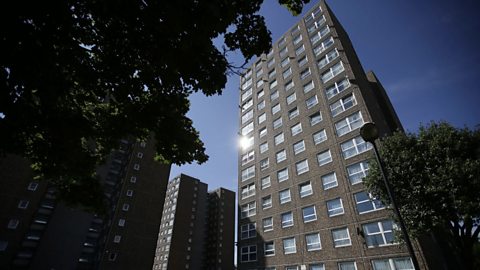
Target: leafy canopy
[[435, 178], [76, 76]]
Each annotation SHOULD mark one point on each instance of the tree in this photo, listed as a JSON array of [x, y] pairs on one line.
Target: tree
[[435, 178], [76, 76]]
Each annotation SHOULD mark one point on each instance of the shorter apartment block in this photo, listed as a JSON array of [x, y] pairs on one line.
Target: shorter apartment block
[[197, 227]]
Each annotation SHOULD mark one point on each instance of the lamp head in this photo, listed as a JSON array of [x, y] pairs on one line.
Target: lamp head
[[369, 132]]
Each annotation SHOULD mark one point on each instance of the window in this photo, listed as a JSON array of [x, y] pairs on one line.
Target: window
[[117, 239], [272, 73], [247, 157], [309, 214], [328, 58], [308, 87], [341, 237], [248, 173], [313, 242], [259, 84], [366, 203], [287, 73], [129, 193], [348, 124], [347, 266], [260, 94], [271, 62], [267, 224], [310, 16], [305, 189], [248, 210], [354, 147], [247, 142], [315, 118], [274, 95], [404, 263], [299, 50], [264, 164], [357, 171], [284, 196], [277, 123], [259, 72], [247, 93], [261, 105], [267, 202], [262, 132], [278, 139], [269, 249], [282, 175], [112, 257], [285, 62], [273, 84], [287, 219], [305, 73], [324, 45], [13, 224], [248, 253], [332, 72], [276, 108], [343, 104], [302, 166], [295, 30], [289, 245], [32, 186], [125, 207], [248, 190], [302, 61], [312, 101], [319, 136], [291, 98], [318, 23], [299, 147], [324, 158], [23, 204], [289, 85], [319, 266], [335, 207], [248, 231], [297, 39], [263, 147], [247, 116], [281, 156], [247, 129], [337, 88], [320, 34], [296, 129], [292, 267], [283, 52], [282, 42], [265, 182], [293, 113], [121, 222], [378, 234], [329, 181]]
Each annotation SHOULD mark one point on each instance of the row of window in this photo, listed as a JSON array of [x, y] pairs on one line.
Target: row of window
[[376, 234], [350, 148], [402, 263], [364, 203]]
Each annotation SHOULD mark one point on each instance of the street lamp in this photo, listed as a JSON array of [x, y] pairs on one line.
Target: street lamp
[[369, 133]]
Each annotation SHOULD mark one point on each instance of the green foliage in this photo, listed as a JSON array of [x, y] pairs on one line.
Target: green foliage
[[435, 178], [77, 76]]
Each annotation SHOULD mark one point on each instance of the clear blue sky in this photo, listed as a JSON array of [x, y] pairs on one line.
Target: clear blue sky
[[425, 53]]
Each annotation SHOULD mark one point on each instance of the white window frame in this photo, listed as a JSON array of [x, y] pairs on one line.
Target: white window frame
[[382, 231], [332, 72], [306, 218], [337, 211], [296, 129], [285, 170], [357, 144], [289, 249], [343, 104], [265, 182], [248, 210], [311, 101], [302, 167], [247, 191], [329, 177], [248, 173], [299, 147], [344, 241], [318, 138], [287, 222], [281, 156], [313, 245], [315, 118], [248, 231], [324, 157], [267, 202], [370, 201], [349, 124], [263, 147], [284, 196], [337, 88], [250, 252], [279, 138], [267, 224], [271, 250], [307, 192]]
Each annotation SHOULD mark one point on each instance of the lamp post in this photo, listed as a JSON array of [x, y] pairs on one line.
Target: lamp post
[[369, 133]]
